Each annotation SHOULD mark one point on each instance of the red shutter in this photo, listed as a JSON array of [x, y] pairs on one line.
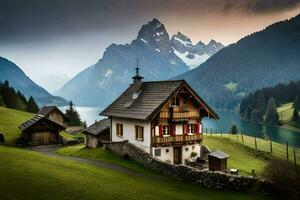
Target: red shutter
[[160, 130], [197, 128], [174, 129], [186, 128]]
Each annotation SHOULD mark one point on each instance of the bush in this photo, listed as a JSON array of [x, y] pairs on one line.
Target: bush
[[285, 177], [193, 154], [233, 129], [2, 140]]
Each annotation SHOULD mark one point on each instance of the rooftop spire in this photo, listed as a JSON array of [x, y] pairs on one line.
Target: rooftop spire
[[137, 79], [137, 75]]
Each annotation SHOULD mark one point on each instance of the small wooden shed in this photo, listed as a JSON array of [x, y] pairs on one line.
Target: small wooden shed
[[97, 132], [40, 131], [217, 161]]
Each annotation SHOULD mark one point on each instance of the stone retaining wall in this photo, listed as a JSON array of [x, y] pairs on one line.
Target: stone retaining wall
[[205, 178]]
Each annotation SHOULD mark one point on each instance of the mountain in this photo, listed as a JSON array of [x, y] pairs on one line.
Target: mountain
[[99, 84], [18, 80], [259, 60], [193, 55]]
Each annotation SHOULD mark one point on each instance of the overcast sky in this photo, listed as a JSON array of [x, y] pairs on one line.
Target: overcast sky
[[56, 39]]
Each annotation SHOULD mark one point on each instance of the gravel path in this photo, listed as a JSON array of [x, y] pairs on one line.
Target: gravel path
[[49, 150]]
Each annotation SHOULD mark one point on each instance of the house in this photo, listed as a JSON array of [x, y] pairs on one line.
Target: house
[[163, 118], [54, 114], [97, 132], [40, 131]]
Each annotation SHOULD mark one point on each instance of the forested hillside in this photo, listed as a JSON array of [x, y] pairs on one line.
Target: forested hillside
[[15, 99], [260, 106], [262, 59]]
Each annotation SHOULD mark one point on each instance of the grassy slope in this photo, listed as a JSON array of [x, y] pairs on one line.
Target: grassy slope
[[30, 175], [241, 157], [102, 155], [9, 121], [285, 112]]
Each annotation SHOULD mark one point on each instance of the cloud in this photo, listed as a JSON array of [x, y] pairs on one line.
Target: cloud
[[260, 6]]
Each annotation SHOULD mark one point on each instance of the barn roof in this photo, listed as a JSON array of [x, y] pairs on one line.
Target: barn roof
[[218, 154], [46, 110], [98, 127], [151, 97], [35, 120]]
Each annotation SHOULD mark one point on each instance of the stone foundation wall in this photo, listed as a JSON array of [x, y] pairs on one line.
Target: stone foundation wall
[[205, 178]]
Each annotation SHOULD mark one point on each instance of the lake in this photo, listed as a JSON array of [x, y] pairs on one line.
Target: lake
[[227, 118]]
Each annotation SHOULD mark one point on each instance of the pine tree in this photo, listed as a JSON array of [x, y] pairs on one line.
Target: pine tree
[[272, 116], [233, 129], [296, 115], [32, 106], [22, 97], [2, 103], [256, 115], [73, 115], [296, 103], [261, 102]]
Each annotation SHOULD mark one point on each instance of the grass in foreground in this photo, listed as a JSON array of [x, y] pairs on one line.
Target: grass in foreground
[[241, 157], [30, 175], [102, 155], [10, 120]]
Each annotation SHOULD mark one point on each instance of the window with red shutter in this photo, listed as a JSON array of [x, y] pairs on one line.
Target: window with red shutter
[[160, 130]]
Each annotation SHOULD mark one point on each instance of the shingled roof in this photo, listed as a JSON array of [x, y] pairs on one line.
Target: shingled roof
[[152, 96], [98, 127], [46, 110], [35, 120]]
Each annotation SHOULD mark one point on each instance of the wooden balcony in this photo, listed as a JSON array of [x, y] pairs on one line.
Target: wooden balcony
[[157, 140], [179, 114]]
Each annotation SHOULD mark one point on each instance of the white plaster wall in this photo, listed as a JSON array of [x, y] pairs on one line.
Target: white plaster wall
[[165, 156], [186, 154], [129, 132]]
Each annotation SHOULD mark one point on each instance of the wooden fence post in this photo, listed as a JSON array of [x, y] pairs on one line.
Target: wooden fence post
[[255, 143], [287, 150], [271, 149], [295, 159], [242, 137]]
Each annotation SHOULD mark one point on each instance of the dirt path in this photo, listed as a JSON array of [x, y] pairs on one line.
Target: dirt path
[[49, 150]]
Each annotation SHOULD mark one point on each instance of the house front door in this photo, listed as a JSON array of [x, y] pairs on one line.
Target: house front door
[[177, 151]]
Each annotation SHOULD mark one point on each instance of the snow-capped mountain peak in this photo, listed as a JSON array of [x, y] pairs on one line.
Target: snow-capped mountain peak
[[193, 55]]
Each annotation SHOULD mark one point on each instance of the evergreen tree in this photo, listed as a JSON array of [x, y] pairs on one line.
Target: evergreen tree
[[272, 116], [2, 103], [261, 102], [296, 115], [32, 106], [233, 129], [73, 115], [22, 97], [296, 103], [256, 115]]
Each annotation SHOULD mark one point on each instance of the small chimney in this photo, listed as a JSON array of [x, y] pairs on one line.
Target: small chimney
[[137, 79]]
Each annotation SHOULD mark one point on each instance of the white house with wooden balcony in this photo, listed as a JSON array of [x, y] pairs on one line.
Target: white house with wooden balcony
[[163, 118]]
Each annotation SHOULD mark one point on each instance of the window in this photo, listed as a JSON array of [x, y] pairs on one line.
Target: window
[[119, 129], [165, 130], [175, 101], [192, 128], [139, 132], [157, 152]]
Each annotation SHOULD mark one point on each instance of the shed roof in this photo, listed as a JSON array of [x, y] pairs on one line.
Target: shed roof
[[151, 97], [35, 120], [98, 127], [46, 110], [218, 154]]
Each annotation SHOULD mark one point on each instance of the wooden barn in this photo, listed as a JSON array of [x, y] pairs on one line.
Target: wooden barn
[[97, 132], [40, 131], [55, 114], [217, 161]]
